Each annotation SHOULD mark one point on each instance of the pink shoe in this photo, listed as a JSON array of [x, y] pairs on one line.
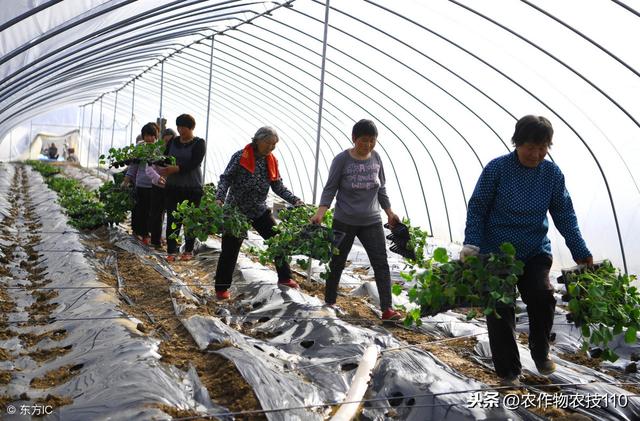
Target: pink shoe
[[289, 283], [223, 295], [391, 314], [186, 256], [171, 257], [146, 240]]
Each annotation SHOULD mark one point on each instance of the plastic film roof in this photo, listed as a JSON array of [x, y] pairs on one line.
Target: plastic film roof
[[444, 80]]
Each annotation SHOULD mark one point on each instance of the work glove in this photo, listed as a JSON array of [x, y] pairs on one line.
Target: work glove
[[469, 250]]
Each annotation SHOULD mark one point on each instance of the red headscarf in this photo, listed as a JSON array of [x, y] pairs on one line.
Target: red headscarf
[[248, 161]]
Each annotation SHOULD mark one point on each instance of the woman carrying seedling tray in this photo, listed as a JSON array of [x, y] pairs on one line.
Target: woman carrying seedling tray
[[245, 184], [137, 174], [357, 176], [510, 204]]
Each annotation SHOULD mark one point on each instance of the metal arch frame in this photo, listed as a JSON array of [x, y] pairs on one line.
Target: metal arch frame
[[299, 120], [338, 109], [604, 177], [158, 11], [169, 83], [606, 51], [286, 3], [90, 135], [303, 137], [625, 6], [236, 86], [393, 167], [58, 31], [284, 83], [435, 165], [406, 92], [28, 14], [426, 78], [37, 99]]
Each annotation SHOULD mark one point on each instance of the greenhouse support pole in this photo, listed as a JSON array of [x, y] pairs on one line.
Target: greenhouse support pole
[[161, 89], [10, 144], [90, 128], [84, 107], [133, 102], [204, 165], [100, 137], [113, 124], [320, 106], [30, 138]]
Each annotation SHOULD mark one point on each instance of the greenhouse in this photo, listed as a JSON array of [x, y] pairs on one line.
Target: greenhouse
[[308, 210]]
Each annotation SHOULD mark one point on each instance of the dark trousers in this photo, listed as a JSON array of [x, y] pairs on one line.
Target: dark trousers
[[140, 216], [231, 248], [173, 196], [156, 214], [372, 239], [537, 294]]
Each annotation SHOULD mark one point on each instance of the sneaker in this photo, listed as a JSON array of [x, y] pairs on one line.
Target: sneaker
[[511, 381], [187, 255], [289, 283], [171, 257], [391, 314], [146, 240], [223, 295], [546, 367]]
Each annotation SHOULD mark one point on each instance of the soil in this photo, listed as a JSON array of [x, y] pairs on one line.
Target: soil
[[48, 354], [29, 339], [150, 293], [54, 401], [581, 358], [56, 377], [5, 377]]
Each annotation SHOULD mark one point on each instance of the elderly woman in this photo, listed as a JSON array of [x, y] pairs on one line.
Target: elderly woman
[[357, 176], [245, 184], [510, 204]]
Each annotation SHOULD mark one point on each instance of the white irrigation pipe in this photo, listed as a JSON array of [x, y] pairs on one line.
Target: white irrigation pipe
[[359, 386]]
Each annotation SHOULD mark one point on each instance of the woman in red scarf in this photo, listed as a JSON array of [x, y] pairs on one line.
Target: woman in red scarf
[[250, 174]]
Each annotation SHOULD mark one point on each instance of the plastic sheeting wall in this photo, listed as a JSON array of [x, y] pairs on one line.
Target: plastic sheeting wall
[[445, 80]]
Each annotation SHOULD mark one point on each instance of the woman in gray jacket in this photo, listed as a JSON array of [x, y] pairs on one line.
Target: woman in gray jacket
[[357, 176]]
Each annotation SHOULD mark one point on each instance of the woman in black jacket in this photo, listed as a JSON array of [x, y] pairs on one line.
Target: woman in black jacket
[[184, 180]]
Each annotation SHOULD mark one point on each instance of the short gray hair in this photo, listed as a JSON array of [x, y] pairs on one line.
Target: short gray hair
[[264, 133]]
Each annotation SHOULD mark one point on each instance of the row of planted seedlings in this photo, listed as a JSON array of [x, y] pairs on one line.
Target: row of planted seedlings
[[86, 209]]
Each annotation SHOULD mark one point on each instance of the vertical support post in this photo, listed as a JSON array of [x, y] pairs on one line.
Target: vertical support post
[[10, 145], [84, 107], [133, 102], [31, 138], [100, 136], [113, 124], [90, 128], [204, 166], [161, 89], [320, 106]]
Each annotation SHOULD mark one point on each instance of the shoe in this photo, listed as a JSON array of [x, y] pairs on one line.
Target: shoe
[[171, 257], [546, 367], [289, 283], [146, 240], [223, 295], [187, 255], [391, 314], [156, 246], [511, 381]]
